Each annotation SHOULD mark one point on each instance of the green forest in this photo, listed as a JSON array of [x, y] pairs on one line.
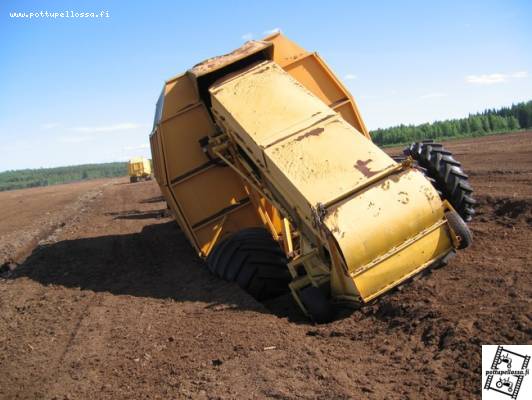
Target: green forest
[[506, 119], [27, 178]]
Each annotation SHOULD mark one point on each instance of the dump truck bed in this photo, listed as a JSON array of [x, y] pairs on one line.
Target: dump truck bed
[[267, 136], [387, 221]]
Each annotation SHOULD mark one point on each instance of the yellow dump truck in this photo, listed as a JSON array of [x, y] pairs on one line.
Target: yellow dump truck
[[268, 168], [139, 169]]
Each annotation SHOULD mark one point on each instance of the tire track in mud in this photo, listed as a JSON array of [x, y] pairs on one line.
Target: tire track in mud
[[57, 377], [72, 220], [101, 325], [77, 366]]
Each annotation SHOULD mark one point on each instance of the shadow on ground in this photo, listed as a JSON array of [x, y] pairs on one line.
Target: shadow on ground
[[156, 199], [136, 214], [157, 262]]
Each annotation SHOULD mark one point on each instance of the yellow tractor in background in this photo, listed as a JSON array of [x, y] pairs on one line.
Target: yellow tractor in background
[[268, 168], [139, 169]]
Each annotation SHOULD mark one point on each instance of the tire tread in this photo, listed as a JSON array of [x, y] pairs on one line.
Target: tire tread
[[446, 175], [254, 260]]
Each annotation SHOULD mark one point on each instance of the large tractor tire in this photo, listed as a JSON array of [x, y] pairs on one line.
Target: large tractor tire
[[254, 260], [446, 175]]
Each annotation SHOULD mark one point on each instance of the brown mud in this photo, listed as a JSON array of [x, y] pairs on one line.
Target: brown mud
[[110, 302]]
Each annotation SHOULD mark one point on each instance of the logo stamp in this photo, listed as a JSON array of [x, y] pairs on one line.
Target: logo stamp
[[505, 372]]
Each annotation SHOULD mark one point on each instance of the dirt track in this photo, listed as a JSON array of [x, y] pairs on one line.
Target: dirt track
[[115, 304]]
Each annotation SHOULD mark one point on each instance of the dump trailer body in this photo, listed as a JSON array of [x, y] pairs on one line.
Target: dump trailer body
[[267, 136], [388, 222]]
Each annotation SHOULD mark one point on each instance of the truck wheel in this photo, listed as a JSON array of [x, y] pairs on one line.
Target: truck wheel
[[132, 179], [446, 175], [317, 304], [461, 229], [254, 260]]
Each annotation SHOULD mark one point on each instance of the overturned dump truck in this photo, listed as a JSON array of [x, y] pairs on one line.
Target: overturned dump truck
[[267, 166]]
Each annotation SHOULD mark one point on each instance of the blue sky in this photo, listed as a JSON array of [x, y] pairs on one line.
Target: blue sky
[[75, 91]]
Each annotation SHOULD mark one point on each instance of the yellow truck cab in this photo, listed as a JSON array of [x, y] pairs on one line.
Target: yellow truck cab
[[139, 168]]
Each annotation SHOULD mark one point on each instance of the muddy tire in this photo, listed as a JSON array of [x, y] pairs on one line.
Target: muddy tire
[[317, 303], [132, 179], [254, 260], [460, 228], [446, 175]]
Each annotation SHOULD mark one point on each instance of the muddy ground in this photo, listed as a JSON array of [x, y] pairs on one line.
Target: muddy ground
[[109, 302]]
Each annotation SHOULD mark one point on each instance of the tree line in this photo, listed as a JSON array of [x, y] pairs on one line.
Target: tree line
[[506, 119], [27, 178]]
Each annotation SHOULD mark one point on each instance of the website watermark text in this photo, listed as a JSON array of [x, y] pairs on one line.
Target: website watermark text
[[59, 14]]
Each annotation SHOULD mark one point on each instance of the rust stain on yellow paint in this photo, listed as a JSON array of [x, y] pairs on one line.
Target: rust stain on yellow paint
[[313, 132], [362, 166]]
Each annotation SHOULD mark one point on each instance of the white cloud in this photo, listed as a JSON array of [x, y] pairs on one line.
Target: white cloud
[[108, 128], [50, 125], [433, 95], [490, 79], [247, 36], [486, 79], [272, 31], [139, 147], [520, 74], [350, 77]]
